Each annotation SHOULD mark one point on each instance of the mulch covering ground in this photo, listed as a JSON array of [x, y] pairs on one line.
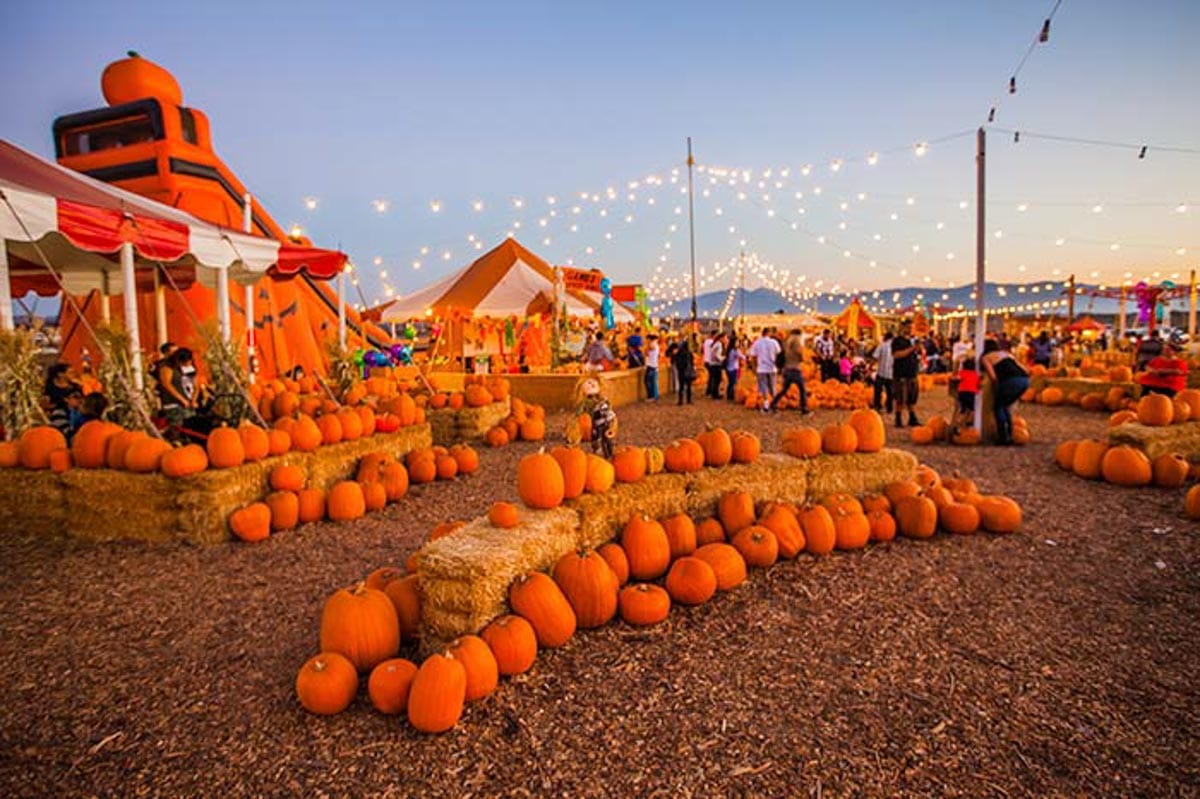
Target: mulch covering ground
[[1060, 661]]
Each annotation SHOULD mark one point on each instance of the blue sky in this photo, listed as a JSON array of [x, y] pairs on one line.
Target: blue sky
[[465, 101]]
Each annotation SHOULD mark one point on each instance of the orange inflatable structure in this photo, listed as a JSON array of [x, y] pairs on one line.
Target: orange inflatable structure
[[147, 142]]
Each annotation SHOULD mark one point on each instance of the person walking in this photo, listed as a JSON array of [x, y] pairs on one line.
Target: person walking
[[824, 348], [1009, 382], [735, 360], [715, 365], [651, 376], [764, 350], [793, 361], [685, 370], [906, 361], [883, 373]]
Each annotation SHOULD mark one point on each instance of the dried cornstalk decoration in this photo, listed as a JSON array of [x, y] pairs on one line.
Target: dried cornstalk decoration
[[227, 378], [343, 370], [21, 382], [127, 406]]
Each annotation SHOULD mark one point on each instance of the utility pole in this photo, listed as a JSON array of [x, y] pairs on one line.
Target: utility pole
[[742, 270], [691, 162], [980, 255], [1071, 300]]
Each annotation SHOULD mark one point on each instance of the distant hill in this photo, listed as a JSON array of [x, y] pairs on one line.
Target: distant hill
[[997, 295]]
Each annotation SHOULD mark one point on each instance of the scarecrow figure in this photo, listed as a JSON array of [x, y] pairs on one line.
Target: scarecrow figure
[[602, 420]]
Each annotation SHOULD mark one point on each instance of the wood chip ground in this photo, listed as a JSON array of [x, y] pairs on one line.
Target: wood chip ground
[[1061, 661]]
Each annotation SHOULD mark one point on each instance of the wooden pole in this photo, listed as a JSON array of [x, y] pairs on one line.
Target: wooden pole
[[1121, 316], [248, 302], [1071, 300], [980, 254], [6, 311], [1192, 307], [692, 227], [160, 308]]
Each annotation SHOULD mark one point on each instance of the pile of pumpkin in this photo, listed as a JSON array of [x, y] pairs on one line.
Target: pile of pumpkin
[[379, 480], [938, 430], [821, 394], [477, 392], [650, 567], [525, 422]]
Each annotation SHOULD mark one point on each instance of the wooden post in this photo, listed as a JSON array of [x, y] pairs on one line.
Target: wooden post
[[248, 227], [980, 254], [1192, 307], [129, 281], [1071, 300], [105, 304], [1121, 316], [160, 309], [692, 228]]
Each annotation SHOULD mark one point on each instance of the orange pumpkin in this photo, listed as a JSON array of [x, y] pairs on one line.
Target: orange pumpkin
[[820, 534], [503, 515], [361, 624], [538, 599], [629, 464], [614, 556], [716, 445], [1156, 410], [644, 604], [726, 562], [590, 585], [916, 517], [405, 596], [757, 545], [883, 525], [479, 663], [145, 455], [540, 481], [326, 684], [513, 644], [225, 448], [681, 534], [389, 685], [1170, 471], [285, 510], [311, 505], [255, 444], [574, 465], [437, 695], [91, 441], [251, 523], [1126, 466], [735, 509], [746, 446], [287, 478], [1088, 457], [868, 426], [691, 581], [683, 455], [35, 445], [345, 501], [852, 529], [999, 514], [802, 442], [647, 548], [839, 439]]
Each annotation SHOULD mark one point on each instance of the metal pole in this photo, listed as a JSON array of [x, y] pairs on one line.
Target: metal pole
[[223, 303], [980, 255], [743, 276], [692, 226], [105, 303], [1121, 315], [6, 312], [131, 313]]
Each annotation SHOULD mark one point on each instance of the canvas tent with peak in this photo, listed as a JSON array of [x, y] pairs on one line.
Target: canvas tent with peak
[[855, 318]]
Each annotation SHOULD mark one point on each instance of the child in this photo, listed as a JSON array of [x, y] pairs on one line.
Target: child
[[968, 387], [845, 366]]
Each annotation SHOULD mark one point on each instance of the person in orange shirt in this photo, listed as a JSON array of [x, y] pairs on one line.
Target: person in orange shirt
[[1165, 373]]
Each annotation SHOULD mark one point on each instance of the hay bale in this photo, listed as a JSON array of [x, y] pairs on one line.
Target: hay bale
[[32, 502], [858, 473], [773, 477], [465, 576], [111, 505], [1182, 439], [601, 516], [473, 423]]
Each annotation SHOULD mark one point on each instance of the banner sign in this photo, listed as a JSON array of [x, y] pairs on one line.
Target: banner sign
[[581, 279]]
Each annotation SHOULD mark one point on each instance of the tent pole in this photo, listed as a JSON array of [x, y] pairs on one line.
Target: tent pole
[[692, 228], [105, 305], [223, 303], [980, 255], [129, 282], [1192, 307], [1121, 315], [248, 227], [6, 312], [160, 308], [341, 308]]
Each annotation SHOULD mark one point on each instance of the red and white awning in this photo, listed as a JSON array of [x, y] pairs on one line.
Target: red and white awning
[[78, 224]]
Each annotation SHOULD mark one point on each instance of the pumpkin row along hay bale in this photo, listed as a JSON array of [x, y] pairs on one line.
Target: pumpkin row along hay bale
[[653, 566]]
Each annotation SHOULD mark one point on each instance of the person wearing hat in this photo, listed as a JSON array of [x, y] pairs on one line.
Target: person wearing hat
[[1165, 373], [906, 360]]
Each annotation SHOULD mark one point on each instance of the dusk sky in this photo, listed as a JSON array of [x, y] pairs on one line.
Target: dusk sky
[[463, 102]]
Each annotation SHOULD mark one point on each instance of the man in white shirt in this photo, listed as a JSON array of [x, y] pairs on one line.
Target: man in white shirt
[[883, 373], [715, 366], [764, 351], [652, 353]]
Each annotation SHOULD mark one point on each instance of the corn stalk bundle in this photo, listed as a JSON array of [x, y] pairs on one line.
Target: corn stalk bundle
[[226, 375], [20, 382], [127, 406]]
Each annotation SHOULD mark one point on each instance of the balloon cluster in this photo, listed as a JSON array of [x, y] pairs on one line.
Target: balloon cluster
[[1147, 300], [401, 354]]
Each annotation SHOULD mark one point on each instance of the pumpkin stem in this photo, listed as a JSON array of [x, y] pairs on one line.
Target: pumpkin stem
[[132, 53], [319, 665]]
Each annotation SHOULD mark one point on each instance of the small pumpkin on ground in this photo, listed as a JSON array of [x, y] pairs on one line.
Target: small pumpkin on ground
[[326, 684], [389, 684], [513, 643], [644, 604], [361, 624], [437, 695]]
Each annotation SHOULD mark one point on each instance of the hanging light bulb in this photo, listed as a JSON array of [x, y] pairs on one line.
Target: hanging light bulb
[[1012, 85], [921, 148], [1044, 36]]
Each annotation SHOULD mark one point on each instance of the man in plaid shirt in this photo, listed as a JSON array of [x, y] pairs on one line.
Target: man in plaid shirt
[[824, 348]]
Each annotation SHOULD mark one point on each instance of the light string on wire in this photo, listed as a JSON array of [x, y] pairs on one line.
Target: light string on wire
[[1042, 37]]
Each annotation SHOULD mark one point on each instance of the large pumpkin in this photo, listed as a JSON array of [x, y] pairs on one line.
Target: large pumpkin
[[746, 446], [1191, 503], [1088, 457], [691, 581], [852, 529], [361, 624], [600, 475], [346, 501], [36, 444], [726, 562], [1155, 410], [574, 465], [513, 644], [629, 464], [757, 545], [1170, 471], [405, 595], [782, 521], [589, 585], [146, 455], [540, 481], [1126, 466], [916, 517], [820, 534], [839, 439], [255, 443], [683, 455], [90, 443], [681, 534], [225, 448], [478, 662], [644, 604], [999, 514], [868, 425], [437, 695], [802, 442], [135, 78], [389, 685], [647, 548], [1064, 455], [717, 446], [326, 684], [735, 509], [183, 461], [538, 599]]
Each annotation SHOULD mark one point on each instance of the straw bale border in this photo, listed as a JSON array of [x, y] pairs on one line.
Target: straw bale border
[[1182, 439], [107, 505], [465, 576], [453, 426]]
